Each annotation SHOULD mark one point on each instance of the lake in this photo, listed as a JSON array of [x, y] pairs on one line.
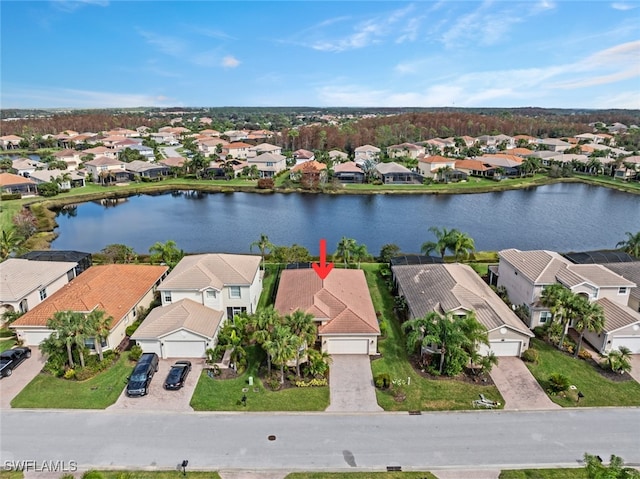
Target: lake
[[560, 217]]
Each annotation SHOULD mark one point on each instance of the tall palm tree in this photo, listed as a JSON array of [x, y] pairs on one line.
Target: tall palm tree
[[345, 249], [445, 239], [556, 298], [283, 347], [99, 327], [590, 318], [260, 328], [167, 253], [64, 323], [360, 253], [303, 326], [463, 244], [631, 245], [263, 244]]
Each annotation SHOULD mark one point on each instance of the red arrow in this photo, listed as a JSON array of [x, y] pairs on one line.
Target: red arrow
[[323, 269]]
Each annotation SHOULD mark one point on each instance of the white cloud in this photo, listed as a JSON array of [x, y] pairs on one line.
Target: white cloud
[[166, 44], [73, 5], [623, 6], [230, 62]]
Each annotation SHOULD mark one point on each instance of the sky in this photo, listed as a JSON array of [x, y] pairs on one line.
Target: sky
[[111, 53]]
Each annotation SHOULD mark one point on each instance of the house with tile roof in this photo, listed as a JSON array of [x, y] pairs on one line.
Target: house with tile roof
[[10, 142], [309, 173], [120, 290], [71, 157], [302, 156], [474, 168], [394, 173], [26, 166], [268, 164], [238, 150], [348, 172], [341, 304], [457, 288], [264, 148], [366, 152], [145, 169], [104, 169], [10, 183], [405, 150], [431, 166], [24, 284], [68, 178]]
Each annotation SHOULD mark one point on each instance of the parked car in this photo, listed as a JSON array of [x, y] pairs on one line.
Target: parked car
[[11, 358], [177, 375], [140, 379]]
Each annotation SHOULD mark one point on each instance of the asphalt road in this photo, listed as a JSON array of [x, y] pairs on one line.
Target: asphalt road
[[319, 441]]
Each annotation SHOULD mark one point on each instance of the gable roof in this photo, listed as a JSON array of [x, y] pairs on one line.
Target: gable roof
[[50, 175], [310, 167], [19, 277], [342, 298], [391, 167], [267, 158], [617, 316], [364, 148], [538, 266], [113, 288], [436, 159], [212, 270], [183, 314], [9, 179], [630, 271], [475, 165], [139, 166], [595, 274], [348, 167], [451, 287], [104, 161]]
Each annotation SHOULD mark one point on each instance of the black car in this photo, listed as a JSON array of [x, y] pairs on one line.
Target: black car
[[10, 358], [177, 375], [140, 379]]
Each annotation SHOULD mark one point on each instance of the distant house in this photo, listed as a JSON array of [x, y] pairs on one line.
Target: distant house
[[71, 157], [457, 289], [68, 179], [236, 135], [405, 150], [264, 148], [347, 321], [338, 156], [120, 290], [10, 183], [366, 152], [143, 150], [26, 166], [433, 166], [553, 144], [107, 170], [144, 169], [302, 156], [393, 173], [10, 142], [268, 164], [25, 284], [101, 151], [309, 173], [348, 172], [236, 150]]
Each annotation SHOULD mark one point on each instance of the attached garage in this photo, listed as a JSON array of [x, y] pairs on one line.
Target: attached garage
[[33, 337], [347, 345], [505, 348], [184, 349], [631, 342]]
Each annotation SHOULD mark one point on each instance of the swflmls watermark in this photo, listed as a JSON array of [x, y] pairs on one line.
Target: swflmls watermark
[[30, 465]]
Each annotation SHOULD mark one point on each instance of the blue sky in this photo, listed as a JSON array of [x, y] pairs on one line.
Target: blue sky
[[100, 53]]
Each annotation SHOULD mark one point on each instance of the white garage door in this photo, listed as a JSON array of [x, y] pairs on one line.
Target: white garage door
[[150, 346], [184, 349], [34, 338], [348, 346], [631, 342], [505, 348]]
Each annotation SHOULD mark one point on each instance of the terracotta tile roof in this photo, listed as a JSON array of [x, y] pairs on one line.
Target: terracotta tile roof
[[348, 167], [304, 154], [476, 165], [436, 159], [183, 314], [113, 288], [65, 153], [177, 161], [342, 298], [9, 179], [310, 167], [236, 145], [104, 161], [520, 151], [201, 271]]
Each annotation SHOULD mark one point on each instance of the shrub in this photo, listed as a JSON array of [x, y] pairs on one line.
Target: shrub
[[70, 374], [265, 183], [382, 381], [273, 383], [135, 353], [540, 332], [10, 196], [92, 475], [311, 383], [383, 329], [584, 354], [558, 383], [530, 355], [132, 328]]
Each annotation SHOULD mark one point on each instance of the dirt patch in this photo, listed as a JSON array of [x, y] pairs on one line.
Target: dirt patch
[[609, 374]]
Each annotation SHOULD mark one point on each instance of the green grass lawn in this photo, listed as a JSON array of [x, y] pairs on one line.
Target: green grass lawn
[[360, 475], [159, 474], [421, 394], [46, 391], [7, 344], [268, 285], [597, 390], [560, 473], [225, 394]]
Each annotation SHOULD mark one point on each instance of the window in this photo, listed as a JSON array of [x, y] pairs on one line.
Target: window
[[71, 274], [622, 290], [545, 316], [234, 291], [211, 294], [269, 163], [167, 296], [43, 294], [89, 343], [232, 311]]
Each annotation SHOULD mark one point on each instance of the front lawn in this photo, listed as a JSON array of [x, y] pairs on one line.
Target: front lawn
[[7, 344], [225, 394], [597, 390], [560, 473], [360, 475], [102, 390], [421, 394]]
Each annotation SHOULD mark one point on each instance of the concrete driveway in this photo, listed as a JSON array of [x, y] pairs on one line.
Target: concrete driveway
[[518, 387], [23, 375], [635, 367], [351, 384], [159, 399]]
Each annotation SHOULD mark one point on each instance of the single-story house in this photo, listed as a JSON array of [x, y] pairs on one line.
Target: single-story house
[[474, 168], [10, 142], [457, 288], [25, 284], [68, 178], [184, 329], [394, 173], [144, 169], [26, 166], [405, 150], [309, 173], [348, 172], [340, 304], [120, 290], [10, 183]]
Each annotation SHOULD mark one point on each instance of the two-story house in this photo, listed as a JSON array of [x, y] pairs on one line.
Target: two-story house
[[434, 166], [268, 164], [104, 170], [198, 296], [366, 152]]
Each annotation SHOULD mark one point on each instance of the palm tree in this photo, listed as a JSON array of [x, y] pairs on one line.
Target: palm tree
[[360, 253], [474, 332], [631, 245], [345, 249], [444, 172], [64, 325], [263, 244], [167, 253], [282, 347], [9, 242], [99, 327], [591, 318], [619, 360], [555, 297], [445, 239], [463, 244], [293, 134], [260, 328], [302, 326], [530, 165]]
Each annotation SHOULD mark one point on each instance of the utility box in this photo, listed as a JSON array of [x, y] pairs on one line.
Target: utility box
[[250, 380]]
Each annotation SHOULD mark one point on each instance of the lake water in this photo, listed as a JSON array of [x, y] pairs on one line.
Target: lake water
[[559, 217]]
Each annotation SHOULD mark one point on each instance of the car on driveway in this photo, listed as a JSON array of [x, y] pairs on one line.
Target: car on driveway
[[177, 375], [11, 358], [142, 375]]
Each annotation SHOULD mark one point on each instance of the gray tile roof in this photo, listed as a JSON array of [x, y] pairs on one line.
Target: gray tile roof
[[617, 316], [598, 275], [450, 287], [392, 167], [183, 314], [538, 266], [630, 271], [19, 277], [201, 271]]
